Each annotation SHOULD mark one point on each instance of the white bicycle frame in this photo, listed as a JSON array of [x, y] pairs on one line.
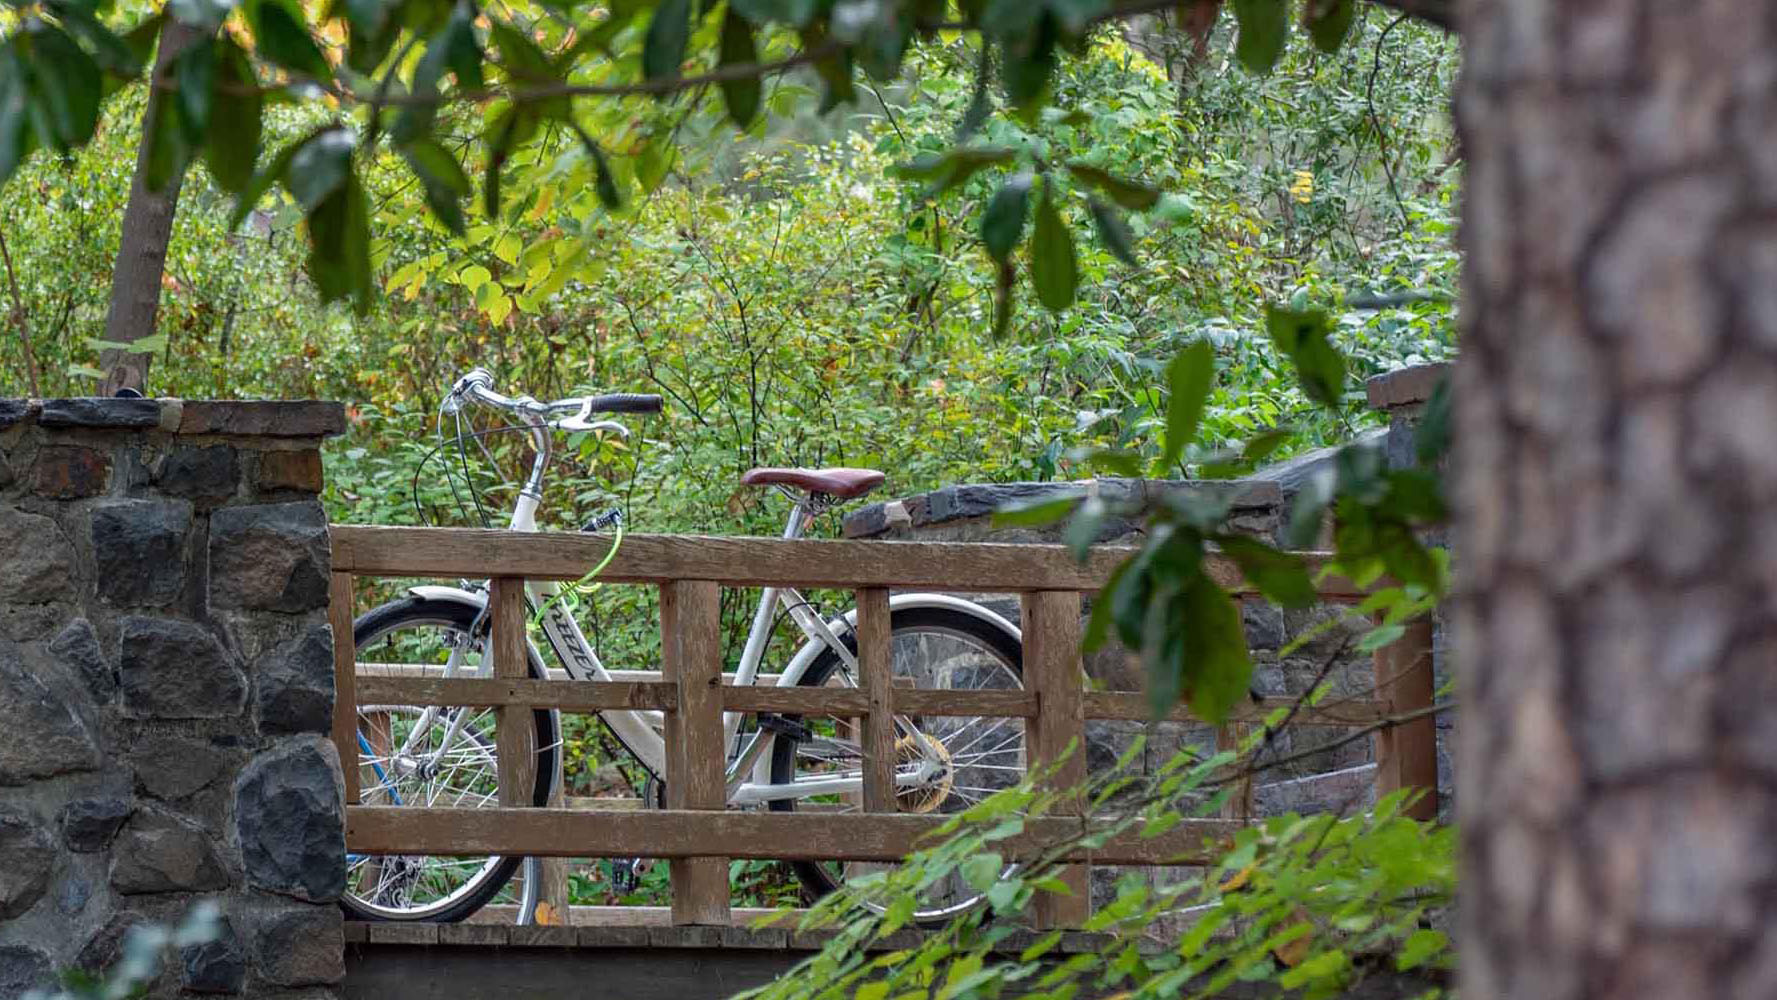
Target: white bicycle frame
[[749, 755]]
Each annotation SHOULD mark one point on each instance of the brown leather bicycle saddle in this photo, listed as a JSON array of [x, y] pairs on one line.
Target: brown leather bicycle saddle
[[843, 484]]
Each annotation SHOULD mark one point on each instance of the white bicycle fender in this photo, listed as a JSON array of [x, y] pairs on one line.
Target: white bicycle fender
[[435, 593]]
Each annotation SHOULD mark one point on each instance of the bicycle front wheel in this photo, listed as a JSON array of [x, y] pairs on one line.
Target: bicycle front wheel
[[431, 757], [931, 648]]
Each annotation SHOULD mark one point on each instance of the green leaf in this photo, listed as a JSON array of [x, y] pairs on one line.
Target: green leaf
[[1027, 61], [320, 167], [462, 50], [194, 71], [1431, 437], [339, 244], [1325, 965], [1419, 947], [1035, 513], [1282, 577], [16, 140], [1113, 231], [1002, 222], [1132, 195], [738, 49], [1329, 21], [982, 871], [1264, 27], [284, 39], [113, 54], [953, 167], [66, 83], [1216, 667], [445, 183], [603, 182], [1054, 269], [235, 120], [1302, 336], [1189, 377], [663, 52], [795, 13], [1083, 528], [519, 56]]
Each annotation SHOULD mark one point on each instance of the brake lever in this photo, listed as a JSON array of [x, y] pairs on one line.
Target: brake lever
[[579, 423]]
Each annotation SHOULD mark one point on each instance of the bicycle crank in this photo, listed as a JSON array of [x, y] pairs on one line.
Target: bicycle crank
[[927, 797]]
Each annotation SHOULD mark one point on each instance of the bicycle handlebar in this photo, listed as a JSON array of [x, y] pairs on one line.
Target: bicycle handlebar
[[478, 385]]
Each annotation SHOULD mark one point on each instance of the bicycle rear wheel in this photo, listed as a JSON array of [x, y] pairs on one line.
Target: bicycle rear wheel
[[413, 756], [933, 648]]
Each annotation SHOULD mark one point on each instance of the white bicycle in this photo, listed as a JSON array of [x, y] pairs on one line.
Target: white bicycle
[[444, 757]]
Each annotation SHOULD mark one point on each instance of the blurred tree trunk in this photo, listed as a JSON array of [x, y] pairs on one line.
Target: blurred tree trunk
[[142, 248], [1617, 485]]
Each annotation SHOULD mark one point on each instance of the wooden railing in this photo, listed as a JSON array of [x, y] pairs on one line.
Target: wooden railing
[[696, 832]]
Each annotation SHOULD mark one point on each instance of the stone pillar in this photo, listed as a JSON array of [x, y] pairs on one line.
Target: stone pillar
[[166, 690]]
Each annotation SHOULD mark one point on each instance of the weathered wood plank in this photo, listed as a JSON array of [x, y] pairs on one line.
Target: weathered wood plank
[[678, 833], [1407, 755], [569, 696], [691, 648], [876, 672], [345, 675], [515, 729], [852, 702], [368, 550], [1052, 667], [1334, 712]]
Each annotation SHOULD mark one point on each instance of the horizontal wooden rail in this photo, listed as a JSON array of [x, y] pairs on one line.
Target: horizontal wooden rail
[[689, 833], [569, 696], [599, 696], [366, 550]]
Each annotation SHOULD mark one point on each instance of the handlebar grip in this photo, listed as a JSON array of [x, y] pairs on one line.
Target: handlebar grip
[[624, 402]]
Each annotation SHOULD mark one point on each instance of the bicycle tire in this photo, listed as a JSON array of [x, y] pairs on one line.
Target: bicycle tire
[[458, 615], [817, 881]]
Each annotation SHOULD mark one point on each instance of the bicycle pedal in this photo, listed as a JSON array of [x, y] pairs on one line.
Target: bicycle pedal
[[785, 727]]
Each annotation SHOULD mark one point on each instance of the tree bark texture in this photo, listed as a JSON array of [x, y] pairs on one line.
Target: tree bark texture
[[142, 247], [1617, 499]]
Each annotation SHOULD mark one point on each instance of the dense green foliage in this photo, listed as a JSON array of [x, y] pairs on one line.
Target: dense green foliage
[[1313, 904], [825, 289]]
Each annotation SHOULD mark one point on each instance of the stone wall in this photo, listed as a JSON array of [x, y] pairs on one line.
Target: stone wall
[[166, 687]]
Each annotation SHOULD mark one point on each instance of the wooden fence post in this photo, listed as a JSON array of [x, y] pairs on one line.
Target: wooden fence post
[[1407, 754], [691, 657], [1052, 667], [876, 673], [515, 731], [345, 681]]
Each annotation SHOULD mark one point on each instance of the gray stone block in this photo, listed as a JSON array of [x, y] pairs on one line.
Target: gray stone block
[[177, 670], [89, 824], [23, 968], [36, 560], [30, 856], [77, 646], [293, 685], [41, 733], [160, 852], [215, 966], [279, 418], [200, 473], [290, 820], [139, 550], [271, 557], [297, 945], [100, 411], [13, 411], [171, 768]]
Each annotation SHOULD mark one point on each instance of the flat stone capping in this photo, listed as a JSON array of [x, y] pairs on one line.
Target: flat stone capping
[[296, 418], [955, 503], [1405, 386]]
